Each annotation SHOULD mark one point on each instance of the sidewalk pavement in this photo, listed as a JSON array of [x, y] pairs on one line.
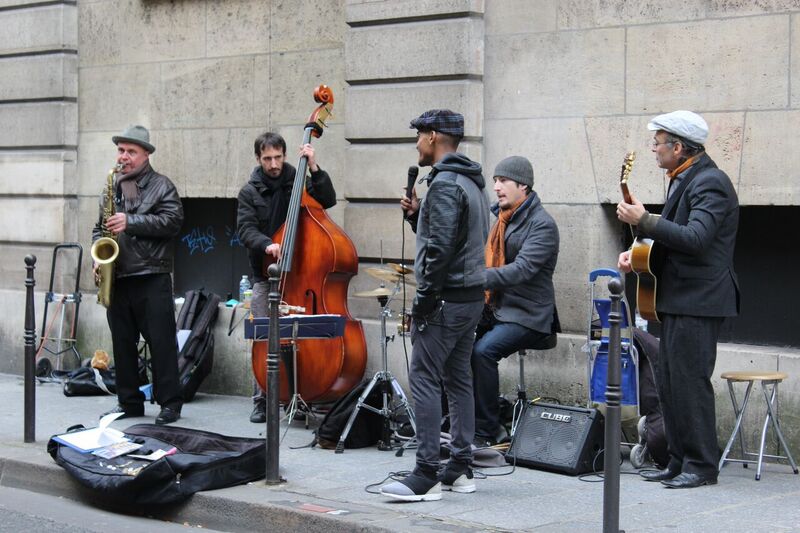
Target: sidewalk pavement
[[327, 492]]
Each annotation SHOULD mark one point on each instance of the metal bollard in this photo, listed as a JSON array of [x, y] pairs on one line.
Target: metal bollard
[[613, 416], [273, 382], [30, 352]]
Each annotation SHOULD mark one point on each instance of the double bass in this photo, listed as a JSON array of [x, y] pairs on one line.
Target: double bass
[[316, 278]]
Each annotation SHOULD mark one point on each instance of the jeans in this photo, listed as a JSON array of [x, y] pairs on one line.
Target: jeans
[[440, 357], [495, 342]]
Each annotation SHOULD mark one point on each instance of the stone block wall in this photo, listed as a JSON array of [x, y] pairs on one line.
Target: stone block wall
[[38, 148], [569, 84]]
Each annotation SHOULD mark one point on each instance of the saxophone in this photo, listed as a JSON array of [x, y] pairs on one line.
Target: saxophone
[[105, 249]]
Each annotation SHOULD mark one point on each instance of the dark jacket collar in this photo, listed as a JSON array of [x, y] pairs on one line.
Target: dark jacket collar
[[702, 163]]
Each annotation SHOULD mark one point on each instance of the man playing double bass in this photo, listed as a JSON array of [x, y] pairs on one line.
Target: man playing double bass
[[263, 207]]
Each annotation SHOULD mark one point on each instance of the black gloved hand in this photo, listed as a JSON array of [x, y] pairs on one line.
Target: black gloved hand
[[423, 306]]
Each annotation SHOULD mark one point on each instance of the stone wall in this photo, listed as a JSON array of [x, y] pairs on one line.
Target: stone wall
[[569, 84]]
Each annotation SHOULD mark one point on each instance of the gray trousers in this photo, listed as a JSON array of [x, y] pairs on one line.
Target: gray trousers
[[440, 357], [259, 305]]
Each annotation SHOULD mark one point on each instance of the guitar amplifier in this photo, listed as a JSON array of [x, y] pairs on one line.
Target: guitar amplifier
[[567, 440]]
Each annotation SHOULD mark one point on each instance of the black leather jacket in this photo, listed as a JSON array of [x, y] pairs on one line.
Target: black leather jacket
[[452, 228], [145, 247], [255, 221]]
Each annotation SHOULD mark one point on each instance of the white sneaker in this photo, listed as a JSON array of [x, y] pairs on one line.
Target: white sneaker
[[462, 482], [414, 488]]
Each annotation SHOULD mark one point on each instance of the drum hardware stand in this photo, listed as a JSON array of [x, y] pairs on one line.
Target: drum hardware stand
[[389, 388], [296, 403]]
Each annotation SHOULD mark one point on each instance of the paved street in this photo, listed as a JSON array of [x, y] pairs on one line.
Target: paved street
[[329, 492]]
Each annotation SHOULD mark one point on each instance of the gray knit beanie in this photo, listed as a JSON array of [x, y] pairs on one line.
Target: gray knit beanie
[[516, 168]]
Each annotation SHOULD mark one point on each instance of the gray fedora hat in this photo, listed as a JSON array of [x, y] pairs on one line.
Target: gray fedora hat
[[136, 135]]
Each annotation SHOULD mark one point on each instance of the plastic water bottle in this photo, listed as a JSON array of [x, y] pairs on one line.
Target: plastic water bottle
[[244, 285], [640, 322]]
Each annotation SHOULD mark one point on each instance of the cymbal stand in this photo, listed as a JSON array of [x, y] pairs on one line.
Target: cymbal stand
[[389, 389]]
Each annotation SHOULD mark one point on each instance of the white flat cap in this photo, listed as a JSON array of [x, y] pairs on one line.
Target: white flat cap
[[686, 124]]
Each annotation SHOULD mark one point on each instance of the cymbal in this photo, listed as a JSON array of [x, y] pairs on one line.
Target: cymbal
[[388, 275], [400, 269], [380, 291]]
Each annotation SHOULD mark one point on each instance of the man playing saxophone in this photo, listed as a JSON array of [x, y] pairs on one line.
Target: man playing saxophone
[[147, 214]]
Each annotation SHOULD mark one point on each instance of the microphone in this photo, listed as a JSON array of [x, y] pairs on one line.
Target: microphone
[[413, 171]]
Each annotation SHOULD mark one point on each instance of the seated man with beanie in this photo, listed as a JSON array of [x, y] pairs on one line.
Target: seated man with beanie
[[520, 309]]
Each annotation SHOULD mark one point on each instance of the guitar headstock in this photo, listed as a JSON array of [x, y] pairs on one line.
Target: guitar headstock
[[324, 95], [625, 173], [627, 166]]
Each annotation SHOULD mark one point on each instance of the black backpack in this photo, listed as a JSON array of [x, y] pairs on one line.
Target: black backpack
[[649, 402], [366, 429], [196, 358]]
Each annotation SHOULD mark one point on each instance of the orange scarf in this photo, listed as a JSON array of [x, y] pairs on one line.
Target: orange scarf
[[686, 164], [496, 245]]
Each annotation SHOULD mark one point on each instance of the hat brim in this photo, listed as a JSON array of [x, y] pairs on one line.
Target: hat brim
[[116, 139]]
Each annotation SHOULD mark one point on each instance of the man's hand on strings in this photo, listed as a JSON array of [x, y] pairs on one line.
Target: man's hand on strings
[[624, 262], [274, 250]]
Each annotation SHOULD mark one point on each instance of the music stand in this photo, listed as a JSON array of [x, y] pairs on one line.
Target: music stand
[[389, 388], [298, 327]]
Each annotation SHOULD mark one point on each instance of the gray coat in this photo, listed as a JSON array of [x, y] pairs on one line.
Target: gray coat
[[524, 286]]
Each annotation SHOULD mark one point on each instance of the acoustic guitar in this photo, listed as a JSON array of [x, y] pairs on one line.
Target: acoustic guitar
[[643, 255]]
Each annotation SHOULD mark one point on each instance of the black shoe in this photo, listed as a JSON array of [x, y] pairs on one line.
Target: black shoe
[[688, 481], [259, 414], [658, 475], [126, 413], [167, 416]]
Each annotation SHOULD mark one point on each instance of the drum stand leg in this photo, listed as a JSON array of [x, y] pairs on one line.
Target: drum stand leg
[[390, 389], [296, 403]]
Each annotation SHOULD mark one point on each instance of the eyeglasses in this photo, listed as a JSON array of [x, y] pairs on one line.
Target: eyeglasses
[[655, 144]]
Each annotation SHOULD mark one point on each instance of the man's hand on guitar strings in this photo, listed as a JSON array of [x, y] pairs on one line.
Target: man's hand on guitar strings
[[624, 262]]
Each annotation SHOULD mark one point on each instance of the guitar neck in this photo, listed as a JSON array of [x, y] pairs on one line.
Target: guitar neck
[[626, 194]]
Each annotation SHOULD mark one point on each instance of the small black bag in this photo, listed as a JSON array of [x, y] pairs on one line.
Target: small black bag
[[203, 461], [88, 381], [366, 429]]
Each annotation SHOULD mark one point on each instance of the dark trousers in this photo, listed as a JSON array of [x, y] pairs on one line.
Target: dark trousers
[[143, 305], [687, 355], [495, 341], [440, 356]]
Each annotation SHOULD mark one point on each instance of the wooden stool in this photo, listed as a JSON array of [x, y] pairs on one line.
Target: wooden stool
[[767, 379], [546, 343]]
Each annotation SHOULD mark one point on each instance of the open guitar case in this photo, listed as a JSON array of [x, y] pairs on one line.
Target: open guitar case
[[202, 461]]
